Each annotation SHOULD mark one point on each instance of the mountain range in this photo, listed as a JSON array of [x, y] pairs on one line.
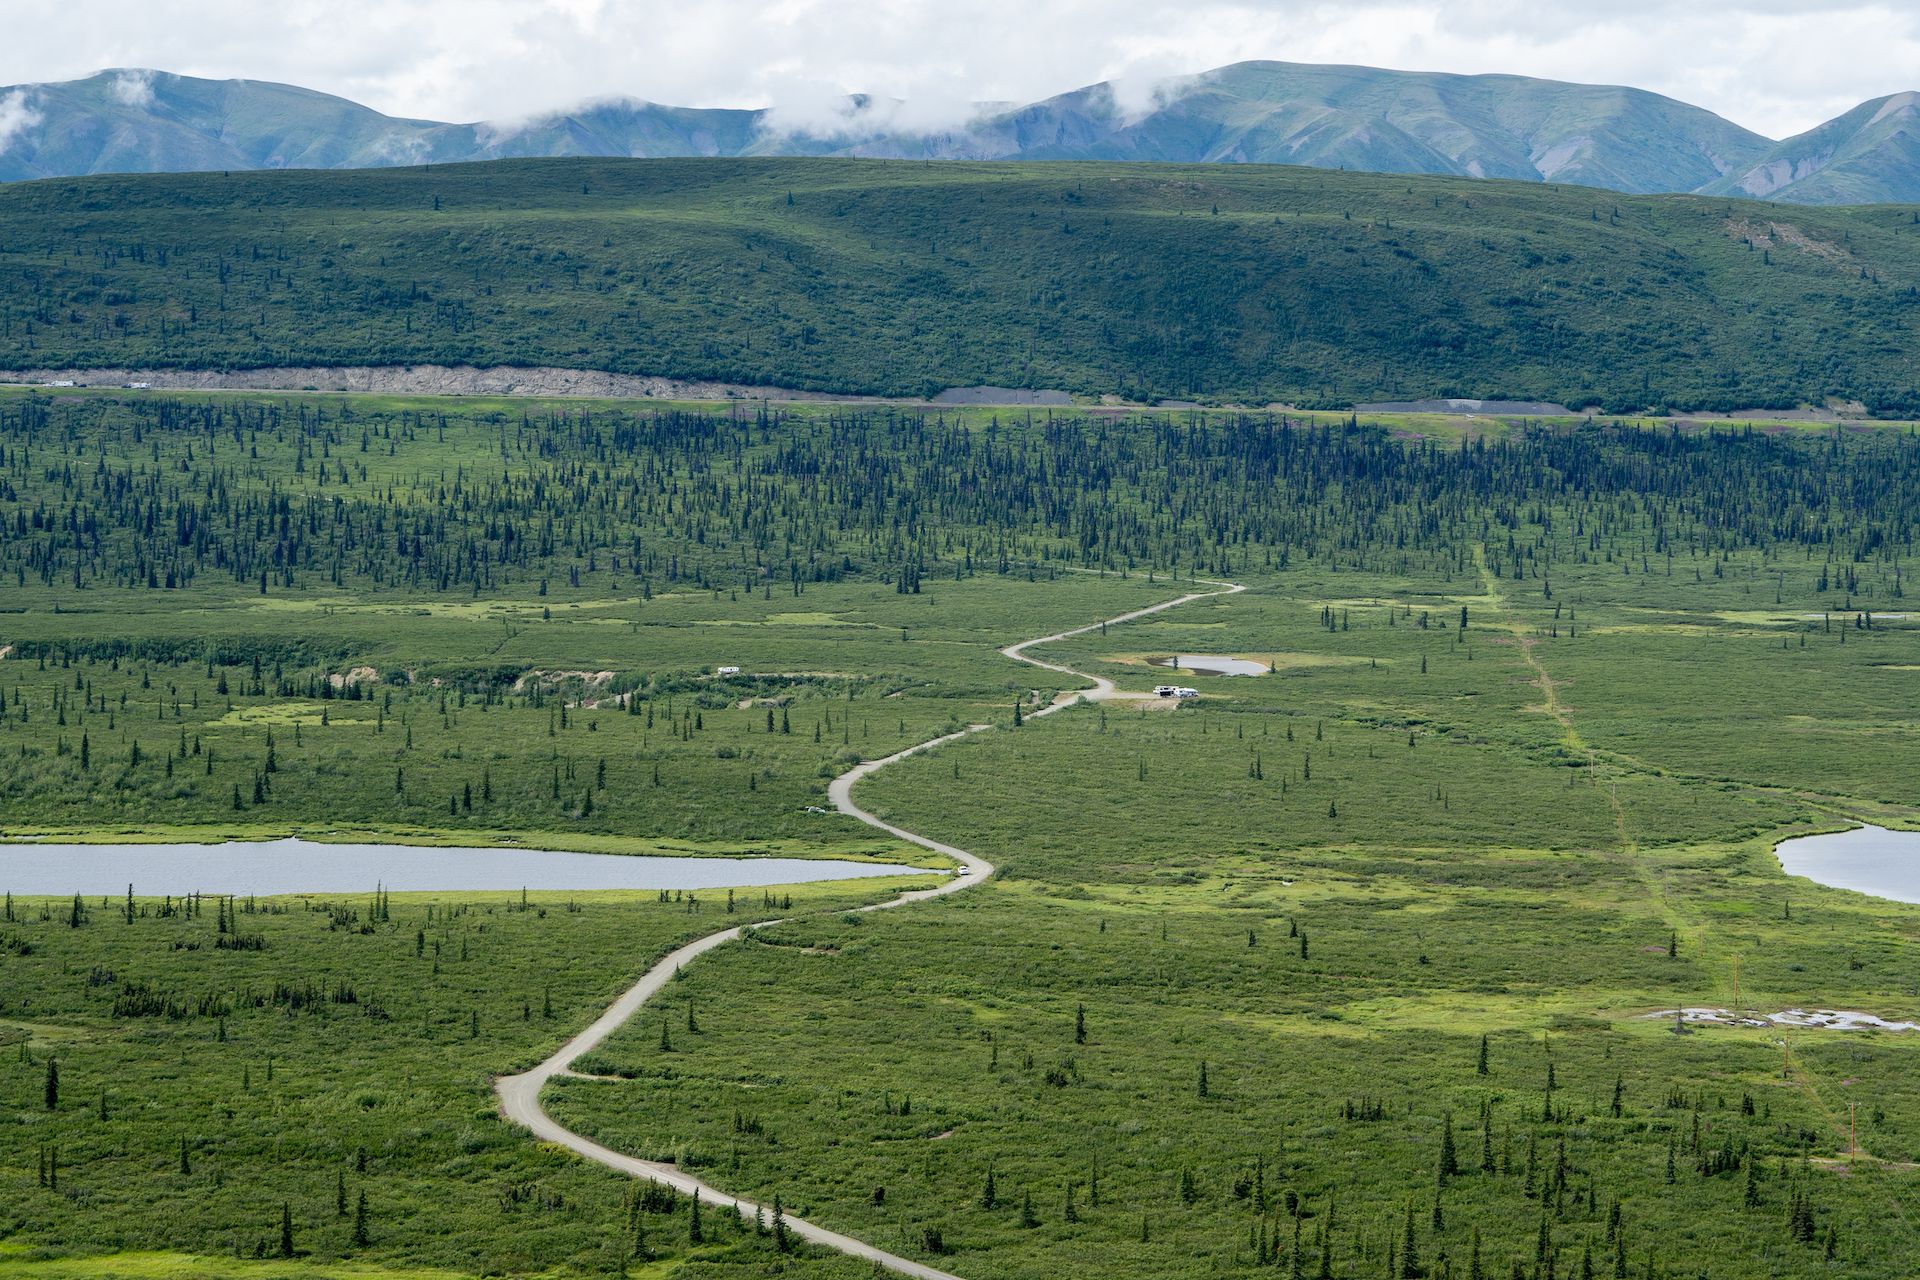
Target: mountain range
[[1337, 117]]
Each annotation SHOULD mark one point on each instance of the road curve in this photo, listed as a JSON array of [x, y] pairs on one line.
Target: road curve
[[520, 1094]]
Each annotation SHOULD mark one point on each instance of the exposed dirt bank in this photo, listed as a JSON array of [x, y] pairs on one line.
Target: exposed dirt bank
[[500, 380], [424, 379]]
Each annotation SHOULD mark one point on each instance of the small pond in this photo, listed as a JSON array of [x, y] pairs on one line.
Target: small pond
[[1871, 860], [1207, 664], [268, 867]]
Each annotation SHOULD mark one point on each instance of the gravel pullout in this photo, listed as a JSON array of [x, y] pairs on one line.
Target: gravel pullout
[[520, 1094]]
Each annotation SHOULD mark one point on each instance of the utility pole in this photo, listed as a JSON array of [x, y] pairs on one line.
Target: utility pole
[[1736, 986], [1853, 1133]]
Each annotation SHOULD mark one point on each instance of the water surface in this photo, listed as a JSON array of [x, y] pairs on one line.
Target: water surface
[[266, 867], [1871, 860], [1208, 664]]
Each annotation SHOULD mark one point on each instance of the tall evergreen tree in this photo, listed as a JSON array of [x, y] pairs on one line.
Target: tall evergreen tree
[[782, 1238], [1409, 1249]]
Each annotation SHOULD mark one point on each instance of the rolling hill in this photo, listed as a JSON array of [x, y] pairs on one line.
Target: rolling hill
[[1242, 283], [1339, 117]]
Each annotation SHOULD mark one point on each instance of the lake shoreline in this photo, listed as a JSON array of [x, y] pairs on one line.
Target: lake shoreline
[[1880, 862], [293, 866]]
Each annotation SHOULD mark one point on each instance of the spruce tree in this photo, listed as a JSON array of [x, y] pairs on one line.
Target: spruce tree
[[1409, 1249]]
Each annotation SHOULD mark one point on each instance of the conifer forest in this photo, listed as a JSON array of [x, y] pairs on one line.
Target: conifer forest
[[1365, 964]]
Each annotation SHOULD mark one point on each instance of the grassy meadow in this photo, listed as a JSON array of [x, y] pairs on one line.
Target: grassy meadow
[[181, 1078], [1354, 968]]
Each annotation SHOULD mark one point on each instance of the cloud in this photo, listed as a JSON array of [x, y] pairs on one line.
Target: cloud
[[399, 148], [17, 115], [820, 109], [133, 88], [1137, 94]]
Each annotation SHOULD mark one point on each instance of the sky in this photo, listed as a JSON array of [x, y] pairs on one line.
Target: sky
[[1775, 66]]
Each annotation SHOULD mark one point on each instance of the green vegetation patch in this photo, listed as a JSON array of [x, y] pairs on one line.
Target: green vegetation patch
[[1294, 286]]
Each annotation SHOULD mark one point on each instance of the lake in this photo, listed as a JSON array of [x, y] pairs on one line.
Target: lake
[[1871, 860], [266, 867], [1212, 665]]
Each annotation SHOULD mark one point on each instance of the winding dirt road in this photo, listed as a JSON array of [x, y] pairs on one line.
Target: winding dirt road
[[520, 1094]]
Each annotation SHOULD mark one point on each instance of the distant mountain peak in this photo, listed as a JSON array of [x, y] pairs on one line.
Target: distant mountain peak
[[135, 119], [1907, 104], [1869, 155]]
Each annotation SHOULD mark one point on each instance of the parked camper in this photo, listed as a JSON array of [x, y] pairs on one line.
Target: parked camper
[[1165, 690], [727, 671], [1184, 692]]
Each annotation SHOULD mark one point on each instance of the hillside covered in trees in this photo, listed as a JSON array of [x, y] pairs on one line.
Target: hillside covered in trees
[[1241, 284]]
